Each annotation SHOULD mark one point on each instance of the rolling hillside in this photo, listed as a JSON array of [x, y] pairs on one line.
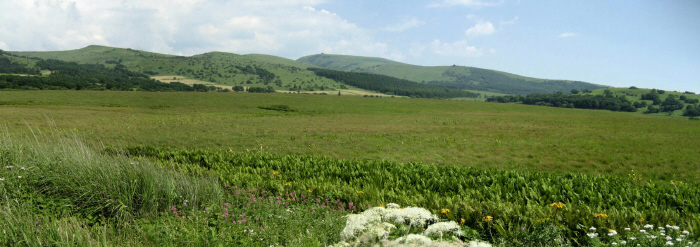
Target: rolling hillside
[[457, 77], [218, 68]]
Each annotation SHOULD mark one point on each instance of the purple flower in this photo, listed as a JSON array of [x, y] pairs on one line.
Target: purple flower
[[36, 223]]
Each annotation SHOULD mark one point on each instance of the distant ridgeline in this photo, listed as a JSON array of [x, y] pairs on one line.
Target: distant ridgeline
[[74, 76], [583, 101], [391, 85], [488, 80]]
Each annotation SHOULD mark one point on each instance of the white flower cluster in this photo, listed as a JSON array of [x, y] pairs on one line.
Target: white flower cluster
[[413, 216], [414, 239], [357, 223], [443, 227], [477, 243]]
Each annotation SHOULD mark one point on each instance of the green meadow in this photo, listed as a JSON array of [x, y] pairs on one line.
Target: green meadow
[[229, 169], [476, 134]]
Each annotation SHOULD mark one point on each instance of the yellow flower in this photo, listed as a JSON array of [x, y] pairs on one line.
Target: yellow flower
[[604, 216], [308, 191], [381, 206], [422, 228], [288, 199], [287, 184], [463, 221], [641, 220], [557, 205], [488, 218], [275, 173], [445, 211], [361, 192]]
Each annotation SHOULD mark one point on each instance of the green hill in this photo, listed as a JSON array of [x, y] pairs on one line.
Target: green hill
[[458, 77], [226, 69]]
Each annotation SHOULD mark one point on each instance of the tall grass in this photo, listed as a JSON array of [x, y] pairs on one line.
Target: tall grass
[[58, 190]]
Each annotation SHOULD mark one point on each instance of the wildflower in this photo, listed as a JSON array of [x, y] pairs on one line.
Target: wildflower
[[557, 205], [592, 235], [669, 238], [361, 192], [2, 179], [287, 184], [308, 191], [19, 176], [612, 232], [633, 238], [669, 243], [647, 226], [488, 218], [592, 228], [604, 216], [36, 223], [444, 211], [623, 242], [685, 232], [462, 220], [641, 220], [22, 168], [9, 167], [627, 229], [643, 231], [614, 243], [679, 239], [442, 227]]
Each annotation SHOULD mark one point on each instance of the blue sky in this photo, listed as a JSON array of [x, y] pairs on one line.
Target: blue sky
[[651, 44]]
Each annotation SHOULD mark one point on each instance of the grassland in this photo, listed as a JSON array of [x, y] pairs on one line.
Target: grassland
[[475, 159], [475, 134]]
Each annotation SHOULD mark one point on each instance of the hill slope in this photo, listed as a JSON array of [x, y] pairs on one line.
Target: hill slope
[[217, 67], [459, 77]]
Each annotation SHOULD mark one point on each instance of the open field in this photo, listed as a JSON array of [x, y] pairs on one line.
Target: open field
[[502, 136], [163, 163]]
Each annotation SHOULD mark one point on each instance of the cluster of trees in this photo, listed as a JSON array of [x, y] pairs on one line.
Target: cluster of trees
[[392, 85], [692, 111], [265, 75], [9, 67], [71, 75], [268, 89], [583, 101], [491, 81], [671, 104]]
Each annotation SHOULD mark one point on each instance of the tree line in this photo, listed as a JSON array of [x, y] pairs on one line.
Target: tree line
[[391, 85], [70, 75], [608, 101]]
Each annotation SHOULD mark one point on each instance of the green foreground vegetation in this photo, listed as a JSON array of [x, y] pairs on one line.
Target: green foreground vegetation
[[123, 168]]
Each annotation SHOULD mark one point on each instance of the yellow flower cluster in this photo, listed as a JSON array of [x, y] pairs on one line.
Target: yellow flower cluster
[[641, 220], [604, 216], [361, 192], [488, 218], [308, 191], [445, 211], [287, 184], [557, 205], [463, 221]]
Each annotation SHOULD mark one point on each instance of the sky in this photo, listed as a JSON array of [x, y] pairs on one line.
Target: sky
[[643, 43]]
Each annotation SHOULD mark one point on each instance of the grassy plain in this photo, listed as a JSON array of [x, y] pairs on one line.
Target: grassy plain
[[465, 133]]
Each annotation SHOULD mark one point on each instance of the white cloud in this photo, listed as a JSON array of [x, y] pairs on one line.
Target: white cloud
[[4, 46], [404, 25], [480, 29], [568, 35], [289, 28], [467, 3], [456, 49]]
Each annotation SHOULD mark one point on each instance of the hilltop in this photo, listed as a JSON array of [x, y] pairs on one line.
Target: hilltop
[[214, 68], [458, 77]]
